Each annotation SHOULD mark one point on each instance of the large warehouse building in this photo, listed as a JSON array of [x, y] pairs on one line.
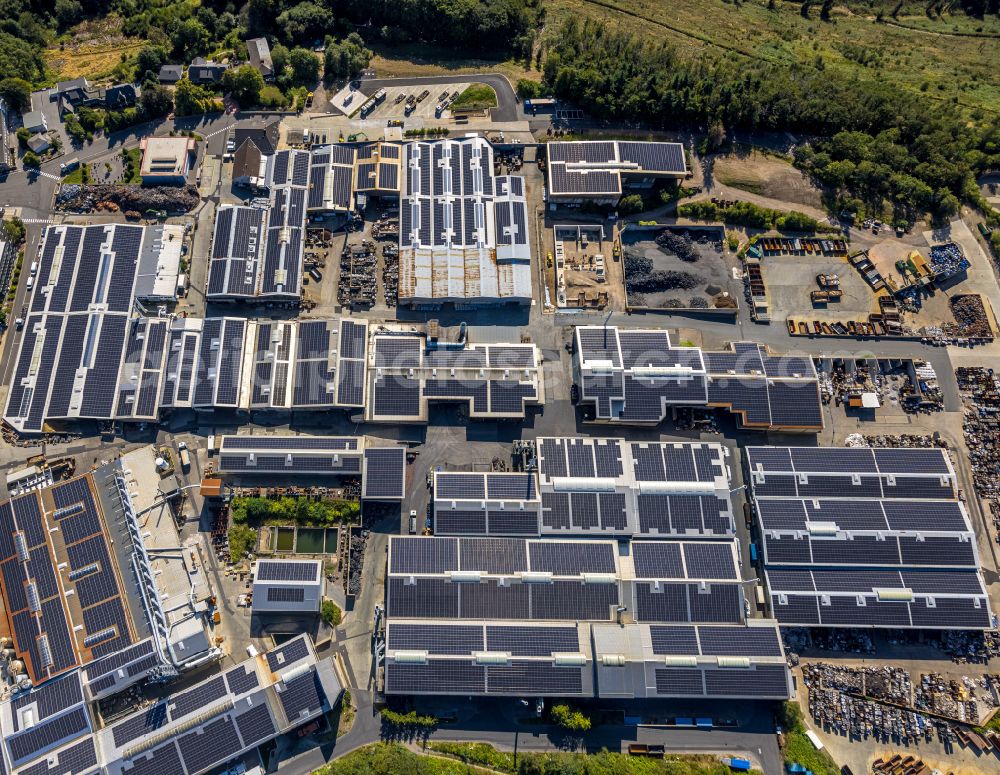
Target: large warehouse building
[[258, 250], [637, 377], [861, 537], [463, 236], [596, 488], [51, 730], [492, 616]]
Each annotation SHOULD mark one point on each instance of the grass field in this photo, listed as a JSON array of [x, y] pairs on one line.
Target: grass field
[[914, 53], [477, 97], [89, 61]]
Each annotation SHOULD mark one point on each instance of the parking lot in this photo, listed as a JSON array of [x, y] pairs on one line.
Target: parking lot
[[350, 100]]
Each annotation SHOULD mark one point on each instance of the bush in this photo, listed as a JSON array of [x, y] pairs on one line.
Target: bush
[[290, 509], [30, 159], [330, 613], [750, 215], [272, 98], [409, 720], [242, 539], [798, 748], [479, 754], [569, 718], [631, 204], [528, 90]]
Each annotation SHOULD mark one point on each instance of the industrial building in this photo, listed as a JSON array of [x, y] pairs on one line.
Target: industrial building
[[862, 537], [594, 487], [407, 371], [51, 729], [599, 171], [257, 249], [494, 616], [86, 583], [82, 353], [463, 236], [166, 161], [637, 377], [380, 466], [288, 586]]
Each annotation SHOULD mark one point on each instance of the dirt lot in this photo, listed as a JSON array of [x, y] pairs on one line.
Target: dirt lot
[[708, 276], [766, 176]]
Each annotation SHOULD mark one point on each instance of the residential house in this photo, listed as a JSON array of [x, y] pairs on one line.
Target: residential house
[[254, 147], [171, 74], [260, 57], [204, 71], [39, 143]]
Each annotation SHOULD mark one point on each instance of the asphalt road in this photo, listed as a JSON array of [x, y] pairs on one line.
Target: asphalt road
[[508, 106]]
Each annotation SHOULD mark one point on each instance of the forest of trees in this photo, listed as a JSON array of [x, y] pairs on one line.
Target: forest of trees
[[884, 144]]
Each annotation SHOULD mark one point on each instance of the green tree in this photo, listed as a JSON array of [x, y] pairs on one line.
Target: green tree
[[271, 97], [23, 135], [68, 13], [16, 92], [190, 39], [631, 204], [528, 89], [243, 84], [279, 60], [330, 613], [569, 718], [31, 160], [191, 99], [305, 67], [155, 100], [304, 22], [14, 230], [347, 58], [148, 62]]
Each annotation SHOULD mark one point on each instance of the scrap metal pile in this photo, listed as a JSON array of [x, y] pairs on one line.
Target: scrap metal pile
[[357, 285], [889, 684], [904, 440], [981, 425], [949, 696], [140, 199], [971, 319], [390, 274], [861, 719], [357, 550]]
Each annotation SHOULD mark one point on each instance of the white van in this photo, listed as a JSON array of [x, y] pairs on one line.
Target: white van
[[34, 267], [31, 282]]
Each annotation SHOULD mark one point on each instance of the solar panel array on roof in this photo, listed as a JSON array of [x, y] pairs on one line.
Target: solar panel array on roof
[[599, 169], [79, 356], [492, 381], [866, 537], [637, 376], [385, 472]]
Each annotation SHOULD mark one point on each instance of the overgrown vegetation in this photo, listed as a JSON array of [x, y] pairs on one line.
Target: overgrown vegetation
[[750, 215], [331, 613], [284, 510], [478, 96], [242, 539], [411, 720], [798, 749], [475, 758]]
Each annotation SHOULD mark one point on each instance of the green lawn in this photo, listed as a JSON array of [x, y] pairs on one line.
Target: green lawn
[[478, 96]]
